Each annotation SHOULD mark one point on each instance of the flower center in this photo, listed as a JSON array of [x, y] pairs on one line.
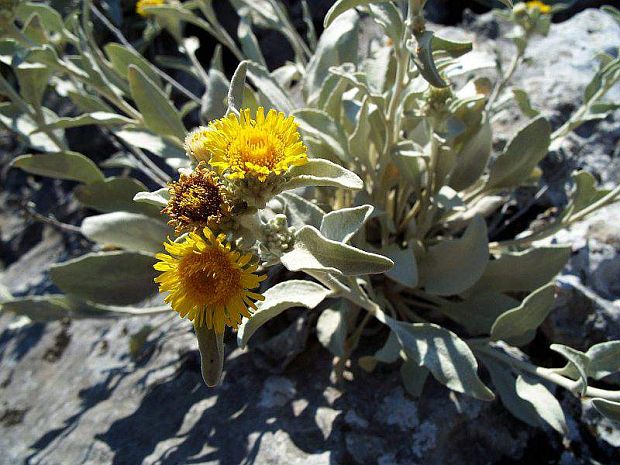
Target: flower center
[[256, 146], [210, 277]]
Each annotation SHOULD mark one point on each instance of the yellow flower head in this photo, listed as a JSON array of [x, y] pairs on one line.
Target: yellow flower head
[[241, 147], [207, 282], [141, 4], [196, 200], [538, 5]]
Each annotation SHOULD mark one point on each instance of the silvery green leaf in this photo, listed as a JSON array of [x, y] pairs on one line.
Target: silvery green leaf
[[322, 126], [448, 358], [343, 5], [604, 359], [60, 165], [314, 252], [215, 99], [545, 404], [472, 158], [414, 377], [388, 16], [249, 43], [272, 94], [237, 86], [478, 311], [88, 103], [579, 361], [50, 18], [33, 79], [379, 68], [523, 101], [505, 384], [121, 57], [159, 198], [423, 59], [522, 271], [405, 270], [97, 118], [301, 212], [148, 140], [410, 162], [341, 225], [117, 278], [586, 191], [453, 266], [330, 95], [114, 194], [452, 48], [23, 125], [337, 45], [158, 112], [390, 351], [130, 231], [282, 296], [608, 409], [211, 348], [527, 148], [332, 328], [323, 173], [38, 308], [516, 326], [359, 139], [286, 74]]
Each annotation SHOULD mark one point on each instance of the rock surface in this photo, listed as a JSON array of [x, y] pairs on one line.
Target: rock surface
[[71, 393]]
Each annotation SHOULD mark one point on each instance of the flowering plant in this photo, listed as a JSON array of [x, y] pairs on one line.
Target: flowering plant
[[370, 175]]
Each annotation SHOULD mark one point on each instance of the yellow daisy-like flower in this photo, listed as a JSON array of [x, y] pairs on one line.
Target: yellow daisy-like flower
[[197, 200], [207, 281], [538, 5], [240, 147], [141, 4]]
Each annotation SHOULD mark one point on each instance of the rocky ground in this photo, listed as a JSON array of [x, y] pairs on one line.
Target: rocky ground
[[72, 393]]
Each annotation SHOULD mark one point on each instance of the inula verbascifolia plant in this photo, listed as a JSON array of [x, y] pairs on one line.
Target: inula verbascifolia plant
[[368, 171]]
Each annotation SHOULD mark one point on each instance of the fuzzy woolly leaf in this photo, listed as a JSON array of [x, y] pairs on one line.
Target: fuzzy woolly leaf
[[320, 125], [301, 212], [61, 165], [117, 278], [413, 377], [98, 118], [211, 348], [343, 5], [282, 296], [130, 231], [545, 404], [448, 358], [237, 86], [121, 57], [158, 113], [322, 173], [453, 266], [272, 94], [523, 153], [405, 270], [147, 140], [341, 225], [516, 326], [332, 328], [115, 194], [472, 158], [579, 361], [314, 252], [608, 409], [159, 198]]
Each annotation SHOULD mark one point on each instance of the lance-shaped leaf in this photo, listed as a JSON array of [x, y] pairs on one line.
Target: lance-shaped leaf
[[343, 5], [603, 359], [448, 357], [130, 231], [579, 361], [320, 125], [472, 158], [545, 404], [115, 194], [523, 153], [281, 297], [515, 271], [159, 198], [33, 79], [60, 165], [117, 278], [273, 96], [322, 173], [405, 270], [148, 140], [506, 385], [122, 57], [341, 225], [211, 347], [414, 377], [517, 326], [249, 42], [314, 252], [453, 266], [423, 59], [608, 409], [158, 113], [98, 118], [301, 212], [237, 86]]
